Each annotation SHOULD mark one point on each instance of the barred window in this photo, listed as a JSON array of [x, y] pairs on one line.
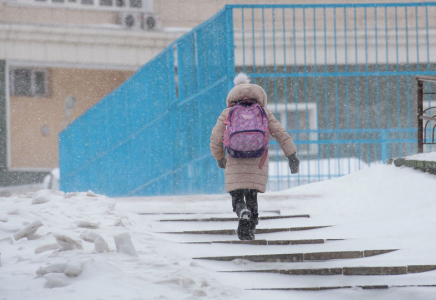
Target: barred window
[[301, 118], [29, 82]]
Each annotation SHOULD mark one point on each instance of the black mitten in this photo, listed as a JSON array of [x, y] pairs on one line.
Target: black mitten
[[222, 163], [294, 163]]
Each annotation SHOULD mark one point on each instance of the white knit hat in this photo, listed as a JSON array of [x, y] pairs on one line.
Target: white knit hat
[[243, 88]]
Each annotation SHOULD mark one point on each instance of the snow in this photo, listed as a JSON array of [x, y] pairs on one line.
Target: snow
[[91, 194], [56, 280], [51, 181], [86, 224], [101, 246], [66, 243], [431, 156], [66, 268], [325, 167], [124, 244], [313, 170], [41, 198], [44, 248], [89, 236], [127, 257], [28, 231], [59, 274]]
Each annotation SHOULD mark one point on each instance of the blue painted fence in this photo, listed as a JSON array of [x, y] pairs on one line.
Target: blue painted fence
[[340, 78]]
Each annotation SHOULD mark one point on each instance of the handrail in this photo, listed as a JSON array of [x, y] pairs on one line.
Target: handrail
[[428, 118]]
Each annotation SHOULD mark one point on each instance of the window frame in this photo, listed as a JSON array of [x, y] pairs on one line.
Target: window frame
[[283, 109], [33, 72], [79, 5], [426, 105]]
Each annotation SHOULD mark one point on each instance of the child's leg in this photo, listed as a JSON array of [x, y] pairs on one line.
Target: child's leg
[[245, 225], [238, 202], [251, 199]]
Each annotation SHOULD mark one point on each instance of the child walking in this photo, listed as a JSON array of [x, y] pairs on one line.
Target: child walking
[[244, 128]]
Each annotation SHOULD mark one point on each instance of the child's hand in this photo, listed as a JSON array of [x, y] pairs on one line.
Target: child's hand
[[294, 163], [222, 163]]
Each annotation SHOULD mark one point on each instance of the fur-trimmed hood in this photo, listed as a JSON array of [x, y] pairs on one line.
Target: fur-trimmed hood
[[243, 88]]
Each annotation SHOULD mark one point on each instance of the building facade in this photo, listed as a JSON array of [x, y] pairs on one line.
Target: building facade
[[57, 59], [60, 57]]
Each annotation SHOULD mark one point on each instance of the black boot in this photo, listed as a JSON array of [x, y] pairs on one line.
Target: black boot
[[255, 218], [246, 230], [245, 225]]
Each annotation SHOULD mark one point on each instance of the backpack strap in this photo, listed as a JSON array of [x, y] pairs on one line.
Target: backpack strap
[[227, 119], [264, 157], [229, 115]]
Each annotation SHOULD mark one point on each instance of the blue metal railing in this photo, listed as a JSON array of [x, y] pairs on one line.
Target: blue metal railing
[[151, 135], [353, 62], [337, 76]]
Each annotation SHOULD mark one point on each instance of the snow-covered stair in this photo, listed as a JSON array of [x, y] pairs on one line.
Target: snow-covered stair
[[379, 208], [265, 260]]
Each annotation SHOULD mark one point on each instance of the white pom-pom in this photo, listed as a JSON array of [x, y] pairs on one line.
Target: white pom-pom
[[241, 78]]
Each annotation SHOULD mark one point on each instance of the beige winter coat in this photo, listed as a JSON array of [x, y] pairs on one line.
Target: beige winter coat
[[244, 173]]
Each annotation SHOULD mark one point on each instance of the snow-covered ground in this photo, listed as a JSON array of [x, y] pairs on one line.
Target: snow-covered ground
[[430, 156], [87, 246], [311, 171]]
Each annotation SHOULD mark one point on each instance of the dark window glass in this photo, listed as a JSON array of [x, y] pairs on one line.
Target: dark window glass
[[88, 2], [40, 0], [40, 83], [58, 1], [292, 119], [22, 82], [136, 3], [120, 3], [106, 2], [302, 125]]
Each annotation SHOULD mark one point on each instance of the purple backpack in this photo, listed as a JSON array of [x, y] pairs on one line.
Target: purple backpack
[[247, 134]]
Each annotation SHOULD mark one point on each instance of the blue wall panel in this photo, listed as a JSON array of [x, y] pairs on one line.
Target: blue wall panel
[[340, 78], [150, 136]]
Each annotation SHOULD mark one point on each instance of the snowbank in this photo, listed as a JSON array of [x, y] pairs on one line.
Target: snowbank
[[77, 246], [431, 156], [87, 246]]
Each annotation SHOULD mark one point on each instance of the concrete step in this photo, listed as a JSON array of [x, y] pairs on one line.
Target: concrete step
[[266, 242], [425, 166], [258, 231], [301, 257], [323, 288], [350, 271], [205, 213], [232, 219]]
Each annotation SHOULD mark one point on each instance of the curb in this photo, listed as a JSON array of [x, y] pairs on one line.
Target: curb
[[424, 166]]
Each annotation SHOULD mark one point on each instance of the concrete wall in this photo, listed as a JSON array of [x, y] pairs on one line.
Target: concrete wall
[[31, 14], [8, 178], [174, 13], [31, 153], [190, 13], [30, 149], [3, 120]]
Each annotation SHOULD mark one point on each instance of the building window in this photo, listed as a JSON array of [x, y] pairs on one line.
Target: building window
[[116, 5], [106, 2], [307, 123], [136, 3], [29, 82]]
